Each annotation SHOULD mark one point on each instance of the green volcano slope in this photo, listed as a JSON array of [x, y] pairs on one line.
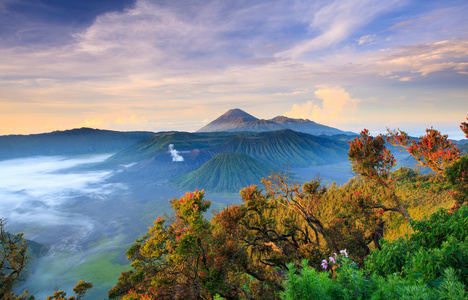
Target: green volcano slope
[[288, 148], [226, 172], [159, 143]]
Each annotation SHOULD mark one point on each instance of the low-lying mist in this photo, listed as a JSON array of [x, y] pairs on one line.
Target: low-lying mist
[[35, 194], [84, 219]]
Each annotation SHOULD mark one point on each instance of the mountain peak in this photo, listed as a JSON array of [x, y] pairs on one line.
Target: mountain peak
[[236, 114], [229, 121]]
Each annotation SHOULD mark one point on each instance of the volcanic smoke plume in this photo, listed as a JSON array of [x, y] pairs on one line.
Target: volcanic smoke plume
[[175, 154]]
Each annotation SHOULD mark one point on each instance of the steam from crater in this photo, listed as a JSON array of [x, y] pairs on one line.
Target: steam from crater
[[175, 154]]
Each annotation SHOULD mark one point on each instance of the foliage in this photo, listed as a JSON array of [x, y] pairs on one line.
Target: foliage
[[170, 261], [235, 254], [358, 224], [370, 158], [432, 150], [464, 128], [348, 282], [80, 290], [457, 175], [12, 260], [438, 242], [373, 161]]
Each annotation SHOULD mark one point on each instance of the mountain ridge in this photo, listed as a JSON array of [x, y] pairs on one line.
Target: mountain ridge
[[78, 141], [238, 120]]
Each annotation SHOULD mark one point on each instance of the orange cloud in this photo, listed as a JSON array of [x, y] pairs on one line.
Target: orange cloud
[[335, 108]]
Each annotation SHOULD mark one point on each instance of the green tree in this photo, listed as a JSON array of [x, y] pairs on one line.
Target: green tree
[[372, 160], [457, 176], [171, 260], [80, 290], [12, 260]]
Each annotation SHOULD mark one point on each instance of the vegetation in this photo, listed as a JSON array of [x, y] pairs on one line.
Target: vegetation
[[385, 234], [226, 172], [287, 148], [12, 260]]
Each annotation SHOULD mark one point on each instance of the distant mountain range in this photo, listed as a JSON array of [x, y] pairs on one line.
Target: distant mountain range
[[239, 120], [69, 142]]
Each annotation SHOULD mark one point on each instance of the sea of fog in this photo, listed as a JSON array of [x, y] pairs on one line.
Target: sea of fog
[[87, 220]]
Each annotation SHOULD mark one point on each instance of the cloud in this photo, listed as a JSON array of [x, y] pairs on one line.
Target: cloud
[[133, 119], [433, 15], [447, 55], [366, 39], [93, 124], [185, 61], [36, 191], [298, 91], [335, 21], [336, 107]]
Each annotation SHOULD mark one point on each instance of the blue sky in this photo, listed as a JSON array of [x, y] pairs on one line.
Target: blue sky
[[176, 65]]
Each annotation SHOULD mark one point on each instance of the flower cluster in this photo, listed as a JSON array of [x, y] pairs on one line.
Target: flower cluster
[[334, 260]]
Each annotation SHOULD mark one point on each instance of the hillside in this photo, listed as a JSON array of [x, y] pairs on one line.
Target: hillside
[[69, 142], [287, 147], [226, 172], [238, 120], [158, 144]]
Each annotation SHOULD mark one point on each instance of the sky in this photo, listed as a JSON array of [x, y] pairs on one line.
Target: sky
[[178, 64]]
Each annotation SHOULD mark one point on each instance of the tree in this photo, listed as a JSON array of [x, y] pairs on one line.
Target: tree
[[464, 128], [432, 150], [80, 290], [170, 261], [435, 151], [370, 158], [457, 176], [373, 161], [273, 227], [12, 260], [241, 254]]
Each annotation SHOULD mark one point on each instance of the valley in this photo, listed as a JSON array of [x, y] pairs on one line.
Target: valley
[[86, 206]]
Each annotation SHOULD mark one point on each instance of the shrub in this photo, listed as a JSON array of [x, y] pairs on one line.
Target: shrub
[[439, 241]]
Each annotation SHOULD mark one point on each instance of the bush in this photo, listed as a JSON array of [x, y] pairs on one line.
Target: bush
[[350, 283], [439, 242]]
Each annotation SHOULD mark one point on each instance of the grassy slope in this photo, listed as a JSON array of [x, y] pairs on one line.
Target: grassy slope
[[287, 147], [224, 172], [182, 141]]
